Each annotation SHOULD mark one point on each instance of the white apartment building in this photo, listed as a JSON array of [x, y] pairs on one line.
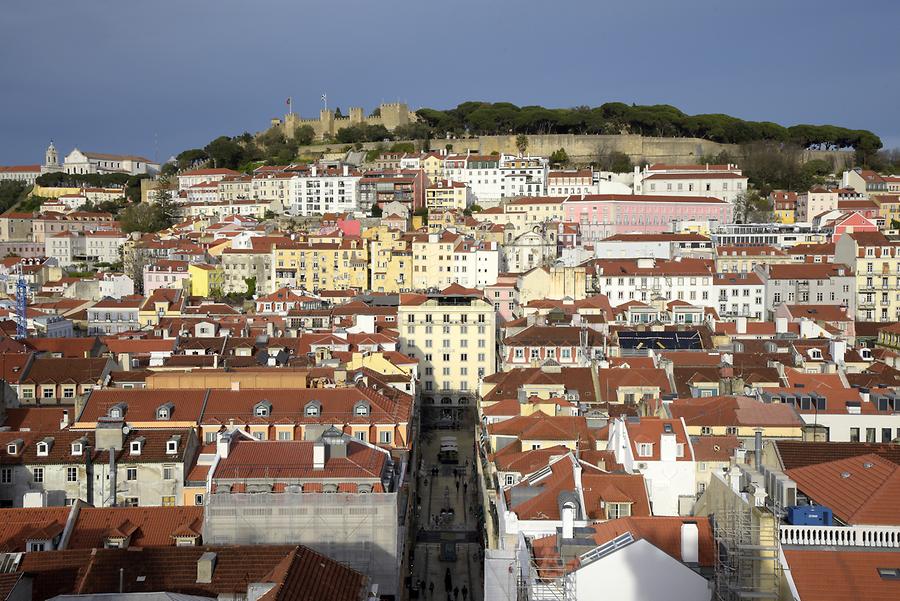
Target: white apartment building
[[661, 451], [451, 334], [726, 182], [323, 190], [739, 295], [189, 179], [645, 280], [102, 246], [448, 258], [493, 178]]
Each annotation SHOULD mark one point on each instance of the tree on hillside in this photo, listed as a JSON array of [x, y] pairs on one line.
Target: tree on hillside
[[522, 143], [559, 158], [613, 160], [304, 135], [225, 153]]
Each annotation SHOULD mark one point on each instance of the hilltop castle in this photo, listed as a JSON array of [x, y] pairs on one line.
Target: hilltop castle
[[390, 115]]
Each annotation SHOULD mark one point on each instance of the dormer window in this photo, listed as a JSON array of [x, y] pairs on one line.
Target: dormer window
[[361, 408], [313, 409], [77, 448], [117, 411], [13, 448], [171, 446], [164, 411], [645, 449], [815, 353], [43, 448], [262, 409], [136, 446]]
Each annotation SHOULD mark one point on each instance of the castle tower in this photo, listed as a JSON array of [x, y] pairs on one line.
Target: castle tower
[[357, 115]]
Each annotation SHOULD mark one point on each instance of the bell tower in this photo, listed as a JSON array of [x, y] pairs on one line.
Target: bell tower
[[51, 158]]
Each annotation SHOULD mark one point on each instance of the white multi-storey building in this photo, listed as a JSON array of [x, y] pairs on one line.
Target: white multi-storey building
[[719, 181], [495, 177], [323, 190], [645, 280]]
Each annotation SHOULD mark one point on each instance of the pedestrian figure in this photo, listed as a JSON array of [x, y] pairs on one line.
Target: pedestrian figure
[[457, 487], [465, 592], [465, 488], [448, 582], [456, 593], [431, 588]]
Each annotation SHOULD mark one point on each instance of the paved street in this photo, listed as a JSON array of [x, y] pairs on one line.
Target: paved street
[[449, 516]]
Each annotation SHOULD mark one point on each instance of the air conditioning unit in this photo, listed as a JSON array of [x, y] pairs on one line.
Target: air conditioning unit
[[641, 466]]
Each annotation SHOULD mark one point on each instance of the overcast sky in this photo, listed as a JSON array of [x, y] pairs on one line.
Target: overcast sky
[[155, 78]]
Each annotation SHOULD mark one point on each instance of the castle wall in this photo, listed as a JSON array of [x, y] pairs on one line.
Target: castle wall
[[392, 115]]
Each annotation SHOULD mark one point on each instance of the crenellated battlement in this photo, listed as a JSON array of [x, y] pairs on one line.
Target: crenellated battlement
[[390, 114]]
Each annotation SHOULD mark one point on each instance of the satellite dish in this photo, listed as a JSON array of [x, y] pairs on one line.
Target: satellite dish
[[126, 430]]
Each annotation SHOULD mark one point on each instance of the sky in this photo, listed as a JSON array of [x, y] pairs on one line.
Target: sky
[[155, 78]]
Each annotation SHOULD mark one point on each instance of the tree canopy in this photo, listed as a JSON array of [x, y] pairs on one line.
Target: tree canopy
[[484, 118]]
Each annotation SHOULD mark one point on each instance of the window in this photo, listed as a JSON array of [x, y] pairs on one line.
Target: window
[[6, 475], [171, 447], [385, 437], [130, 502], [43, 449], [705, 430], [168, 473], [77, 448], [854, 434], [870, 434], [361, 409], [38, 475], [131, 474], [312, 410], [645, 449], [198, 499], [36, 546], [731, 430], [679, 449], [168, 502], [284, 435], [510, 479], [618, 510], [135, 447], [71, 474]]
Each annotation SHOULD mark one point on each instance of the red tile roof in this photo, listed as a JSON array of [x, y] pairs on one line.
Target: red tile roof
[[839, 575], [17, 526], [147, 526], [734, 411], [293, 459], [859, 490]]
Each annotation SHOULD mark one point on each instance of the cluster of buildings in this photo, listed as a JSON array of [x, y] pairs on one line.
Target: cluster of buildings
[[652, 387]]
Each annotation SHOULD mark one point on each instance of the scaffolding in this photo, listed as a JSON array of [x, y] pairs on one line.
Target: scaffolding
[[747, 564], [542, 578]]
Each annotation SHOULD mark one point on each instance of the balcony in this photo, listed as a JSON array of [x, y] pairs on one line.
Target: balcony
[[841, 536]]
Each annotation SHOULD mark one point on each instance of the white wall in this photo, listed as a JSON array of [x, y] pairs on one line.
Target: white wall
[[640, 572]]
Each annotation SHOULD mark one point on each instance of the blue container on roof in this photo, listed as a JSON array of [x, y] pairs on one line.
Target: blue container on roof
[[809, 515]]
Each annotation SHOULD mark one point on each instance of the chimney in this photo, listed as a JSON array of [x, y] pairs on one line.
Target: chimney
[[235, 386], [757, 452], [781, 325], [690, 542], [64, 422], [837, 348], [206, 565], [319, 455], [864, 395], [314, 171], [346, 171], [223, 444], [667, 447], [568, 522]]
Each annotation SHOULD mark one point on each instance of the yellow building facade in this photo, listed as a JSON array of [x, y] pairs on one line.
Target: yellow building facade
[[342, 265]]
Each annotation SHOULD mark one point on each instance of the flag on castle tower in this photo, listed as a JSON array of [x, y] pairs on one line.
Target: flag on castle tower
[[324, 97], [288, 101]]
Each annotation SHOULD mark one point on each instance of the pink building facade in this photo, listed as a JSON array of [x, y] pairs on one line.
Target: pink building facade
[[602, 215]]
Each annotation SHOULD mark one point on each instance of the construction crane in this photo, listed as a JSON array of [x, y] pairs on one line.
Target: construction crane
[[21, 304]]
